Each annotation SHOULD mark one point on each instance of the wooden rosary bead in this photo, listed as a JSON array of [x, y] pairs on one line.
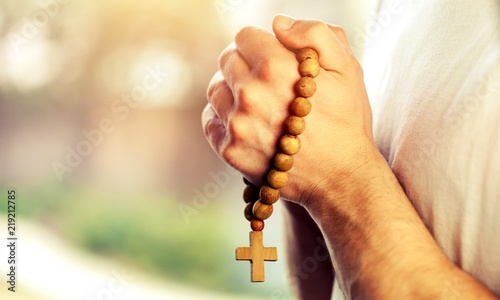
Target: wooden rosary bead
[[306, 53], [262, 211], [250, 194], [306, 87], [300, 107], [248, 211], [289, 144], [295, 125], [260, 202], [283, 162], [277, 179], [257, 225], [309, 68], [268, 195]]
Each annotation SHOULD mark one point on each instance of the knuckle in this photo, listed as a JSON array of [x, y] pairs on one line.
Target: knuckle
[[211, 90], [315, 28], [353, 66], [215, 84], [246, 97], [358, 69], [244, 33], [338, 30], [341, 34], [269, 68], [229, 154], [237, 128], [226, 54]]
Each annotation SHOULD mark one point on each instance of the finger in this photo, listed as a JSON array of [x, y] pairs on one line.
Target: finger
[[257, 45], [233, 66], [297, 34], [214, 129], [220, 97], [340, 33]]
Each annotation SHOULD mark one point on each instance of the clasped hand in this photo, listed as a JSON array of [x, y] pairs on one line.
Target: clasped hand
[[249, 99]]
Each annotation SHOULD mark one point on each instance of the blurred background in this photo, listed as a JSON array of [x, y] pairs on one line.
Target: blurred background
[[118, 194]]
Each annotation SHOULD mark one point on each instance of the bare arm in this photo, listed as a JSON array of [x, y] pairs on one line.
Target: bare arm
[[380, 249], [309, 263]]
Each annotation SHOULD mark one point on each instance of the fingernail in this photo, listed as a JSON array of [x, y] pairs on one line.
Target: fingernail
[[284, 22]]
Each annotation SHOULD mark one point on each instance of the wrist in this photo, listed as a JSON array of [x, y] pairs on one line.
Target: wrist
[[353, 176], [379, 246], [373, 230]]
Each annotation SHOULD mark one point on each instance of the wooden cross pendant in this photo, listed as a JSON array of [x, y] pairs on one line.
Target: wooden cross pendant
[[257, 254]]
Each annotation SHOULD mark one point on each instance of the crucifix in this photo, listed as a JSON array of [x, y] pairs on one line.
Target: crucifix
[[259, 200], [257, 254]]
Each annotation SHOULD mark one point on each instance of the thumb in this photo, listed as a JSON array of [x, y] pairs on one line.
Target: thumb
[[327, 40]]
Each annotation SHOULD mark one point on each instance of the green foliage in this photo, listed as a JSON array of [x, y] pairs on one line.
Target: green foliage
[[145, 231]]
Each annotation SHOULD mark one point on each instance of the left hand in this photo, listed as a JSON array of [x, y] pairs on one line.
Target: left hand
[[249, 100]]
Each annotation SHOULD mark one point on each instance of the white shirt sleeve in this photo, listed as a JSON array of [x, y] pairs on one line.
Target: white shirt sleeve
[[433, 77]]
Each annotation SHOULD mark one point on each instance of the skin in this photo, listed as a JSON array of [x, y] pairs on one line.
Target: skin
[[341, 190]]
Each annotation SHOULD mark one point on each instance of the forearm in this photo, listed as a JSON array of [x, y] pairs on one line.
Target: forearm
[[309, 264], [380, 247], [378, 244]]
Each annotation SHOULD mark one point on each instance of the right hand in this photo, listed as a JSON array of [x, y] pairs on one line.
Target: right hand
[[250, 96]]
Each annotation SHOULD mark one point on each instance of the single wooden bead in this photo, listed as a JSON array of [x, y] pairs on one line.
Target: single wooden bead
[[306, 53], [300, 107], [250, 193], [289, 144], [283, 162], [277, 179], [257, 225], [248, 211], [262, 211], [268, 195], [306, 87], [295, 125], [309, 68]]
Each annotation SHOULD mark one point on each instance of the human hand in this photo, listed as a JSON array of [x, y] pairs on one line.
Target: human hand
[[249, 100]]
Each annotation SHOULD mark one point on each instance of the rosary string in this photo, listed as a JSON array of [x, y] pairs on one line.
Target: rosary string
[[259, 201]]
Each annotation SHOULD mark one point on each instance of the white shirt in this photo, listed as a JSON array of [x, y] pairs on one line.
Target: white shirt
[[432, 70]]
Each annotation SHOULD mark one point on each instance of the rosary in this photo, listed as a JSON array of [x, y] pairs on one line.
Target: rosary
[[259, 201]]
